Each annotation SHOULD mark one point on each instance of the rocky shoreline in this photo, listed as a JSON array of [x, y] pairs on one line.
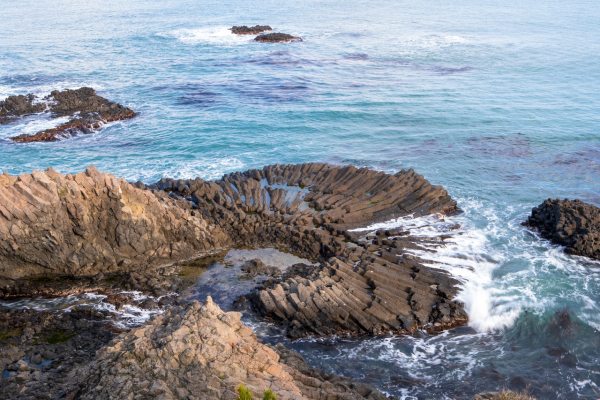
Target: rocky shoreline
[[86, 111], [76, 233]]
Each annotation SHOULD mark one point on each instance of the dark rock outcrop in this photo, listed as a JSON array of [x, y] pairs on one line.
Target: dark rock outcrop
[[201, 352], [573, 224], [253, 30], [277, 37], [18, 106], [41, 351], [364, 284], [91, 222], [87, 110]]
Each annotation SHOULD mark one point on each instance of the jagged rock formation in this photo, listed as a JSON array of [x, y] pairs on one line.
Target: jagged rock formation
[[277, 37], [573, 224], [200, 352], [18, 106], [91, 222], [253, 30], [87, 110], [367, 284]]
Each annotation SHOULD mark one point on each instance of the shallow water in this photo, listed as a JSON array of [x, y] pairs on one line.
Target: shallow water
[[497, 102]]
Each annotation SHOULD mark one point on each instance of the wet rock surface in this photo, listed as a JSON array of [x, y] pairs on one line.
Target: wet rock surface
[[41, 352], [277, 37], [253, 30], [199, 352], [87, 110], [570, 223], [17, 106]]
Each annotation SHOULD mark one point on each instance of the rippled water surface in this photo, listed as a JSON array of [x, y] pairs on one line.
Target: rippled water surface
[[496, 101]]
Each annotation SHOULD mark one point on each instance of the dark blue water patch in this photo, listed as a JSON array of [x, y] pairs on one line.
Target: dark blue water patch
[[357, 56], [5, 374], [517, 145], [201, 98]]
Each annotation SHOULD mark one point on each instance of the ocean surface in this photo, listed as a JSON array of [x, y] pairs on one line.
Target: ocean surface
[[496, 101]]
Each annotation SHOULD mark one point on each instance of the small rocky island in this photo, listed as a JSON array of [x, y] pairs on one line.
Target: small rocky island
[[570, 223], [87, 112], [276, 38], [253, 30]]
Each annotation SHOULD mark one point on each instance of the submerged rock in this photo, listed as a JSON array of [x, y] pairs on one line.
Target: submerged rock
[[87, 110], [199, 351], [256, 267], [573, 224], [277, 37], [253, 30]]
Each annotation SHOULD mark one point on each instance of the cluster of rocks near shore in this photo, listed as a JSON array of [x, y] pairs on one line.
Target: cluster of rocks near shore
[[87, 112], [570, 223], [275, 37]]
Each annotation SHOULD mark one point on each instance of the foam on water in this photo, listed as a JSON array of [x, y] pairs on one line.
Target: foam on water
[[211, 35], [128, 316]]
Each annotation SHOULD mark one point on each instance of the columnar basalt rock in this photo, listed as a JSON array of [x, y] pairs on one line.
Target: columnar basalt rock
[[573, 224], [91, 222], [87, 110], [201, 352], [364, 284]]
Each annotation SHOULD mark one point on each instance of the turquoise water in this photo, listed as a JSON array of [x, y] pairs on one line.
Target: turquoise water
[[497, 102]]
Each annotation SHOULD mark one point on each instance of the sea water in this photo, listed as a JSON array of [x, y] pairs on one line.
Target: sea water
[[496, 101]]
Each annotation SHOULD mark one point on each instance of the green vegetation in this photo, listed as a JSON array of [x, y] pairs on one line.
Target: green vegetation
[[6, 334], [62, 192], [373, 203], [251, 213], [301, 186], [60, 337], [243, 393], [269, 395]]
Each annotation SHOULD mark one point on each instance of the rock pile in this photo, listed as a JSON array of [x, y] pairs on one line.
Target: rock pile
[[87, 110], [573, 224], [253, 30], [92, 222], [201, 352], [277, 37]]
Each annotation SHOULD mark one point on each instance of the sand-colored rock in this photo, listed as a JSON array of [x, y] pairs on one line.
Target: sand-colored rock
[[91, 222], [201, 352]]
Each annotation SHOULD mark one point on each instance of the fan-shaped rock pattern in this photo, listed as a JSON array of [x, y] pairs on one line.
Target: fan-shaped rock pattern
[[91, 222], [200, 352], [573, 224], [364, 284]]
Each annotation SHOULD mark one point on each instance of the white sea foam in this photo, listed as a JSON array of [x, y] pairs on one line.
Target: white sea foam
[[214, 35], [498, 281]]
